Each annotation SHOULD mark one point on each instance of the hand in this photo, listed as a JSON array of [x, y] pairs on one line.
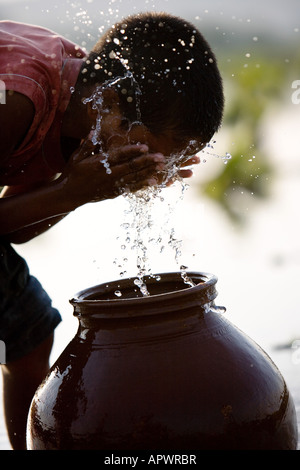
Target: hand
[[191, 161], [131, 168], [182, 173]]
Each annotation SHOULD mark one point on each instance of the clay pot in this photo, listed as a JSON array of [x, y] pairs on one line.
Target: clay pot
[[167, 371]]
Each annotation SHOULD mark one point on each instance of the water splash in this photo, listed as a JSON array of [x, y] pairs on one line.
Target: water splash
[[97, 101], [207, 151], [186, 279], [149, 232], [140, 231], [140, 223], [217, 309]]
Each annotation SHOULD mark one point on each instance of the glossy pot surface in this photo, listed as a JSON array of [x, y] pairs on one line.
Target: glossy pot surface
[[166, 371]]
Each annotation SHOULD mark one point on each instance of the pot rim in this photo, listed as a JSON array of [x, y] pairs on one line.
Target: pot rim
[[203, 292]]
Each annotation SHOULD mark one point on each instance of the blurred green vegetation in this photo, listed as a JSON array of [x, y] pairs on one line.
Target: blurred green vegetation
[[253, 86]]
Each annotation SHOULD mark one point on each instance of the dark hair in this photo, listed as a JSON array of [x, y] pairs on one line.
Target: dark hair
[[169, 72]]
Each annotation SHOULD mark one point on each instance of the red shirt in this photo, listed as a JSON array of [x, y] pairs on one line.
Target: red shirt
[[43, 66]]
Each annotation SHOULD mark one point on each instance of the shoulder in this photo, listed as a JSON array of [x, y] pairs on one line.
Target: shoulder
[[16, 116]]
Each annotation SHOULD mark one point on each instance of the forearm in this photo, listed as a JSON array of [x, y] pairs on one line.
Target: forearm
[[32, 231], [83, 180], [32, 212]]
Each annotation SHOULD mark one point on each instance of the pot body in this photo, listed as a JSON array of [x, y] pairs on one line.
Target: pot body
[[166, 371]]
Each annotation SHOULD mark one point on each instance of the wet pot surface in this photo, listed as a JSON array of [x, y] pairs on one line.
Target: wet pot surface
[[166, 371]]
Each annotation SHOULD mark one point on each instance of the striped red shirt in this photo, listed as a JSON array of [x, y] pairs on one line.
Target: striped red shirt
[[43, 66]]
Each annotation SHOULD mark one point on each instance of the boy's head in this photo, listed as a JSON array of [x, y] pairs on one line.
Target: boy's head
[[170, 79]]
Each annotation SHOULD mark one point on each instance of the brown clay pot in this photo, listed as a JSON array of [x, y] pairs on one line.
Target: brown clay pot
[[167, 371]]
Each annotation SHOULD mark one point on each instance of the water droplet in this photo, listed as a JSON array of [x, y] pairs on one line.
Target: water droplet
[[218, 309]]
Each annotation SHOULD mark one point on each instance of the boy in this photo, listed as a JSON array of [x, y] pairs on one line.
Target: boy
[[150, 88]]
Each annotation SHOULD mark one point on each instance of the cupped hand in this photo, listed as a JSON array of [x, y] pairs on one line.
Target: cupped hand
[[128, 168], [182, 172], [187, 173]]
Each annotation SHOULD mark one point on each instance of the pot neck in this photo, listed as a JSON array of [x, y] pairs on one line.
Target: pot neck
[[168, 295]]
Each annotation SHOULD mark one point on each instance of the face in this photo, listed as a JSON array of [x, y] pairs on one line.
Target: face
[[116, 132]]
